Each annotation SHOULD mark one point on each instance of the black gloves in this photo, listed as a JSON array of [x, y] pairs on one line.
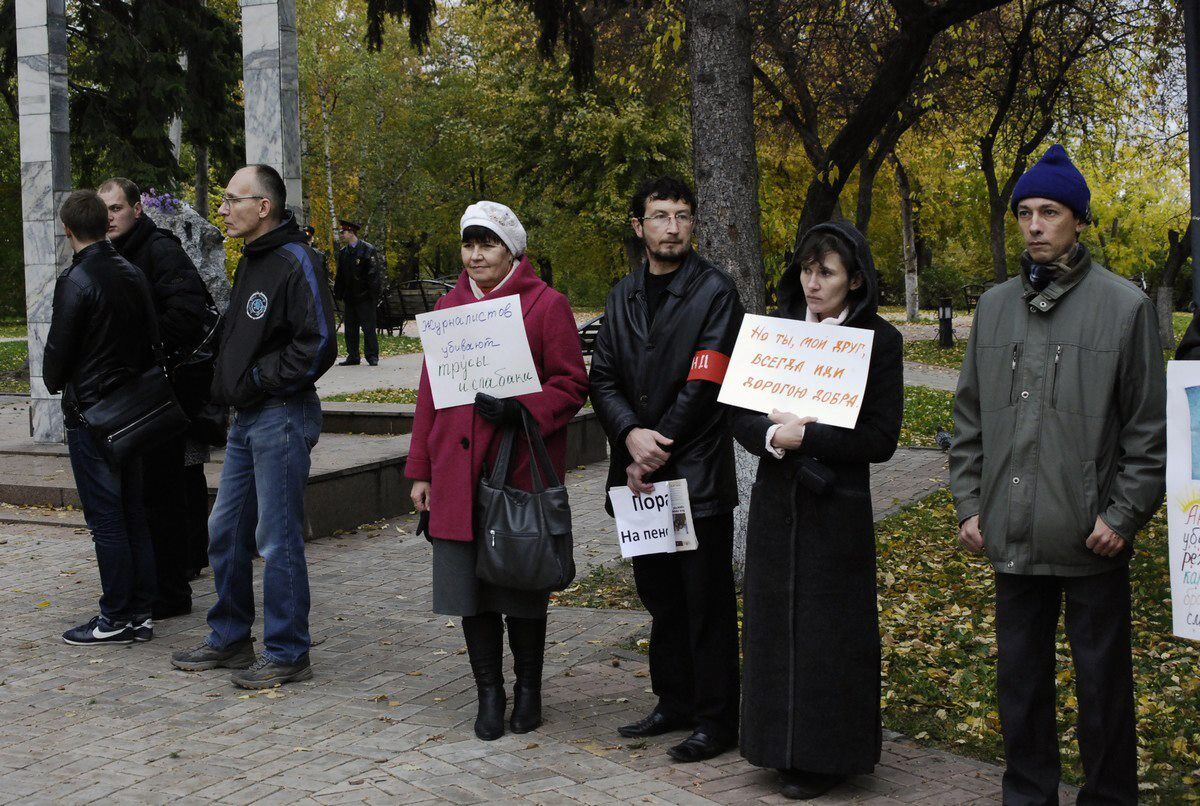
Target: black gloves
[[499, 412]]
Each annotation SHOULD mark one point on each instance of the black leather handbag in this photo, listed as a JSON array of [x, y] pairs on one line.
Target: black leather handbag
[[524, 538], [140, 413]]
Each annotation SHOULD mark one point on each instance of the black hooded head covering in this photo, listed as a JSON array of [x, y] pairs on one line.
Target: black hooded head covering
[[865, 300]]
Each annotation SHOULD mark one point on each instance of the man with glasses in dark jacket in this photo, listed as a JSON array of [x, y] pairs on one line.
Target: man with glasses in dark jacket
[[669, 328], [277, 339], [180, 303], [100, 338]]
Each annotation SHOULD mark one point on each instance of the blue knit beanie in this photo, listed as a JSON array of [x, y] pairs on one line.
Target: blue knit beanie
[[1054, 177]]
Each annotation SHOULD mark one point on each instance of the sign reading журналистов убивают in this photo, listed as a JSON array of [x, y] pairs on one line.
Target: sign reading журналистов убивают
[[481, 347]]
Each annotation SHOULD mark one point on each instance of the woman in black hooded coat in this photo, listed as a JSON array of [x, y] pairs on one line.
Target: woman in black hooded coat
[[811, 678]]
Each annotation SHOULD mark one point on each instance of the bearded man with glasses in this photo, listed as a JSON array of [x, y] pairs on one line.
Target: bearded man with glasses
[[660, 356]]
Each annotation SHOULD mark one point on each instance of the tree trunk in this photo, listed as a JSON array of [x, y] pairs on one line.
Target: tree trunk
[[635, 251], [1178, 251], [723, 145], [333, 219], [201, 204], [908, 231], [726, 168], [546, 271], [999, 248]]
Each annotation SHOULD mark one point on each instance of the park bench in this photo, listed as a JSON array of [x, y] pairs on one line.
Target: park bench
[[972, 292], [587, 334], [402, 301]]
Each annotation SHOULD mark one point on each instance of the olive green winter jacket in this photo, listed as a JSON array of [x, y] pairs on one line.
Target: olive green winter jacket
[[1060, 417]]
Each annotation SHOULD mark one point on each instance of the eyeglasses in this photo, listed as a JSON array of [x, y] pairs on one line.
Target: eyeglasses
[[661, 220], [227, 201]]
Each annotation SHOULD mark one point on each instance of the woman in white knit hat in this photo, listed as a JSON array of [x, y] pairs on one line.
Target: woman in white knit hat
[[450, 445]]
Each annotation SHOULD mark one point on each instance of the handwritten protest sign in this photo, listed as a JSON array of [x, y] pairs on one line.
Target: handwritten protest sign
[[808, 369], [655, 523], [1183, 495], [481, 347]]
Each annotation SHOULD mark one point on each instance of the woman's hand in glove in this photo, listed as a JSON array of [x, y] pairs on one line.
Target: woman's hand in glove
[[497, 411]]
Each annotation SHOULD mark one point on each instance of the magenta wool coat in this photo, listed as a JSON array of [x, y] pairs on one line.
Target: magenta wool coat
[[449, 446]]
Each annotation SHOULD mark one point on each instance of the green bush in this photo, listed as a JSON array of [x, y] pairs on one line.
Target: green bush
[[939, 281]]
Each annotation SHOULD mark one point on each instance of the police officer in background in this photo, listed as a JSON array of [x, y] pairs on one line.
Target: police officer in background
[[358, 284]]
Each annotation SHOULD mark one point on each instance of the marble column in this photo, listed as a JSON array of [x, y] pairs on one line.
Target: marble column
[[45, 183], [271, 81]]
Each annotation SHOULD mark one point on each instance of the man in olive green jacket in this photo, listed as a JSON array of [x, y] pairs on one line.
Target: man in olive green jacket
[[1058, 461]]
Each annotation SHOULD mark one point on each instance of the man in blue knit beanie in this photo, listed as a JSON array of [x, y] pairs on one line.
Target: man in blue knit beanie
[[1063, 383]]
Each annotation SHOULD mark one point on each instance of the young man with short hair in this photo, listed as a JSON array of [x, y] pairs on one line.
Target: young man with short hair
[[658, 405], [1057, 462], [179, 301], [100, 337], [358, 284], [277, 340]]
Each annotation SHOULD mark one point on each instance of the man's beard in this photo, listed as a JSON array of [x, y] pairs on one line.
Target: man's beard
[[677, 252]]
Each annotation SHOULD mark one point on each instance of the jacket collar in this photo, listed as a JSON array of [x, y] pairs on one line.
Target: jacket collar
[[522, 281], [132, 241], [93, 250], [680, 278], [1076, 265]]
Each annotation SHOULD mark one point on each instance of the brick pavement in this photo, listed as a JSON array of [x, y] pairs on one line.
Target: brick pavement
[[387, 718]]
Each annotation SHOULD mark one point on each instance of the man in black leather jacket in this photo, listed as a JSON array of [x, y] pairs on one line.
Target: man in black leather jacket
[[99, 339], [358, 284], [659, 358], [277, 339], [179, 300]]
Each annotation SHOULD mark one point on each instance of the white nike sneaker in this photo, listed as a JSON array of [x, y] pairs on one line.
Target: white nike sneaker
[[99, 631]]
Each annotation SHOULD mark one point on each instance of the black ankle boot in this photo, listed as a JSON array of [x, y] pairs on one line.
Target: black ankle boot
[[485, 648], [527, 639]]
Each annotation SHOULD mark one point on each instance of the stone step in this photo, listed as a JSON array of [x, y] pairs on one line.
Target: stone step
[[356, 477]]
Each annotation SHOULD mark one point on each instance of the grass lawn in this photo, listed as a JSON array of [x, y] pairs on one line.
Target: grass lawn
[[928, 352], [389, 394], [13, 328], [13, 378], [388, 345], [936, 618], [924, 411]]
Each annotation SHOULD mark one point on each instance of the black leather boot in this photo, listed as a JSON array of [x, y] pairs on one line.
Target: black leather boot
[[485, 648], [527, 639]]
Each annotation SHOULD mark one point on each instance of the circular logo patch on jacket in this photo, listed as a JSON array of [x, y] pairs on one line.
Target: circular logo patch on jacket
[[256, 306]]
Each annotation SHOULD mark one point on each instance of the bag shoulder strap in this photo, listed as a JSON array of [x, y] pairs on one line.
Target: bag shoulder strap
[[503, 458], [539, 458]]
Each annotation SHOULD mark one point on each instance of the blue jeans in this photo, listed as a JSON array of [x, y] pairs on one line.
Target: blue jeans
[[112, 506], [260, 505]]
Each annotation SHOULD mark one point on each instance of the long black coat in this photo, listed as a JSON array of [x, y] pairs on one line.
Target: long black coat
[[811, 676]]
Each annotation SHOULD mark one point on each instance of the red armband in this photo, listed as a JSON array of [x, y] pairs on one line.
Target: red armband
[[709, 365]]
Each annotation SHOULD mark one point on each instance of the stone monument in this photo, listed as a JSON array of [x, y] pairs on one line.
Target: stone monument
[[202, 241], [271, 85]]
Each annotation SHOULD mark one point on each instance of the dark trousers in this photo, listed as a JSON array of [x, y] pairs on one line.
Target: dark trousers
[[694, 632], [361, 314], [195, 516], [112, 506], [164, 505], [1098, 628]]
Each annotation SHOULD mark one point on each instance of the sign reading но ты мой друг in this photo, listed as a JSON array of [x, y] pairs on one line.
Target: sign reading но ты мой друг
[[481, 347], [1183, 495], [804, 368]]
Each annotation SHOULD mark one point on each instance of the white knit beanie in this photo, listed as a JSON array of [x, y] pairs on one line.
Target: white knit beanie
[[500, 220]]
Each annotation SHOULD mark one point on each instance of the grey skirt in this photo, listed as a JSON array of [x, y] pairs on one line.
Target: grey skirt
[[458, 592]]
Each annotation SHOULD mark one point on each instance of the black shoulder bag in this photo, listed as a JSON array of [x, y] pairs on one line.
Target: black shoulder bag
[[524, 538], [141, 412]]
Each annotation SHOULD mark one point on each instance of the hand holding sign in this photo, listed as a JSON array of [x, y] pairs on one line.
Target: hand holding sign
[[481, 347]]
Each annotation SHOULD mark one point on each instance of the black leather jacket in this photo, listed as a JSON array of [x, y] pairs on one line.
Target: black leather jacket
[[639, 378], [100, 330]]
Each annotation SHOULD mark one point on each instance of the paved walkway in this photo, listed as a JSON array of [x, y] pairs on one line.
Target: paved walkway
[[387, 718]]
